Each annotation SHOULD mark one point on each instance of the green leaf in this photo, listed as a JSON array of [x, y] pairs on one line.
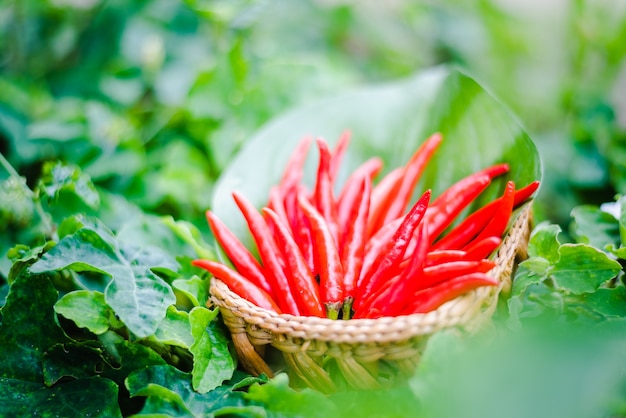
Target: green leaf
[[195, 288], [169, 391], [582, 268], [87, 309], [609, 302], [389, 121], [28, 328], [594, 227], [138, 296], [213, 363], [59, 178], [280, 400], [175, 329], [93, 397], [544, 242]]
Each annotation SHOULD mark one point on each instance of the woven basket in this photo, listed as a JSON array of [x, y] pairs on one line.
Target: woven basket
[[367, 353]]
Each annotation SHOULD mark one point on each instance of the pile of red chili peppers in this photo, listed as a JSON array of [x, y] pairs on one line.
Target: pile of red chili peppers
[[360, 253]]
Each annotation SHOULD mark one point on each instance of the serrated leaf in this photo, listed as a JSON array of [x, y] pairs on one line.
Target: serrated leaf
[[582, 268], [138, 296], [213, 363], [544, 242], [594, 227], [175, 329], [28, 328], [390, 121], [169, 390], [87, 309], [93, 397], [531, 271]]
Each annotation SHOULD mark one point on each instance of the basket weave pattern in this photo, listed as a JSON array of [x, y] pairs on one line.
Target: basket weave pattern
[[357, 345]]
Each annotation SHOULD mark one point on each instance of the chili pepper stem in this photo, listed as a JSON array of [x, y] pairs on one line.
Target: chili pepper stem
[[347, 308], [332, 310]]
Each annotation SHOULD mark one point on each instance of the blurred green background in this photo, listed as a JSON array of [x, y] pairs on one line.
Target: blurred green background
[[153, 98]]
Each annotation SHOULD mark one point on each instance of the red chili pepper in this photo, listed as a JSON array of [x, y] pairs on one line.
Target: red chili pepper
[[269, 255], [382, 196], [238, 254], [477, 250], [239, 284], [471, 226], [412, 173], [447, 206], [293, 170], [307, 291], [392, 297], [353, 247], [338, 154], [349, 193], [327, 259], [323, 197], [435, 257], [498, 223], [394, 251], [428, 300], [440, 273]]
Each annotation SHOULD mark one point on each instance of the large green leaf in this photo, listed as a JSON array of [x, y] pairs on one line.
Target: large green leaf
[[138, 296], [389, 121]]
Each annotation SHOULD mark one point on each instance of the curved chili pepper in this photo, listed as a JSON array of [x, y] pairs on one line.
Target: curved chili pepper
[[307, 291], [394, 252], [338, 154], [293, 170], [393, 295], [412, 173], [238, 254], [349, 192], [498, 223], [435, 257], [477, 250], [432, 298], [377, 245], [327, 259], [268, 252], [239, 284], [382, 197], [471, 226], [440, 273], [449, 204], [323, 197], [353, 247]]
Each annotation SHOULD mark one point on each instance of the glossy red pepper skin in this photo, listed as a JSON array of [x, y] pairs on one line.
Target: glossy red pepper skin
[[412, 173], [268, 252], [242, 259], [308, 293], [461, 235], [337, 155], [477, 250], [428, 300], [369, 169], [323, 197], [382, 197], [353, 246], [294, 169], [440, 273], [393, 253], [500, 220], [392, 297], [327, 259], [239, 284]]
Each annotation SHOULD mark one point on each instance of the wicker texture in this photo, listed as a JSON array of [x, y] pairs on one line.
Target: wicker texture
[[358, 345]]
